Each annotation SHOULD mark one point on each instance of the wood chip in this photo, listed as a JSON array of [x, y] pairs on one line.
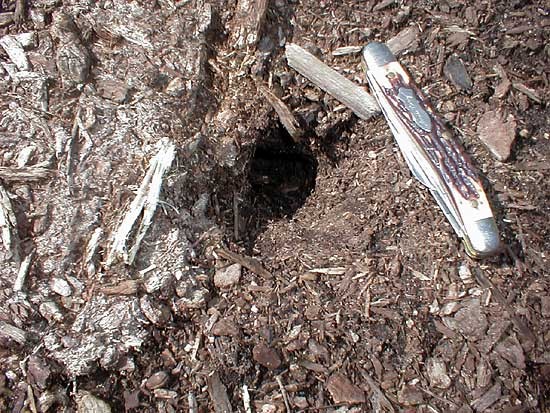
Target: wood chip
[[249, 19], [381, 5], [343, 390], [218, 394], [344, 90], [13, 333], [15, 52], [285, 114], [497, 133], [126, 287], [510, 350], [406, 41], [487, 400], [266, 356], [526, 336], [347, 50]]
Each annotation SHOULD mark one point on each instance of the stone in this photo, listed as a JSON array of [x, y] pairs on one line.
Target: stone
[[113, 89], [456, 72], [60, 286], [497, 133], [266, 356], [436, 370], [343, 390], [227, 277], [176, 87], [88, 403], [157, 380]]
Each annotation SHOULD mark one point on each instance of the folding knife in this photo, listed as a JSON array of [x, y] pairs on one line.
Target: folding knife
[[432, 152]]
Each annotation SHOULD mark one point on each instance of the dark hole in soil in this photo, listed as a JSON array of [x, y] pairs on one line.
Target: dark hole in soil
[[281, 176]]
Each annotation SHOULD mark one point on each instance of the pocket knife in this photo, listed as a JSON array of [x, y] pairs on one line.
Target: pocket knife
[[432, 152]]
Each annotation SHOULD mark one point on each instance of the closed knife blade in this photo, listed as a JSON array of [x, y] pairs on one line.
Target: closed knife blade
[[432, 152]]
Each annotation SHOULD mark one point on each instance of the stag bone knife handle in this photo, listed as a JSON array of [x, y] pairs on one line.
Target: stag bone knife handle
[[432, 152]]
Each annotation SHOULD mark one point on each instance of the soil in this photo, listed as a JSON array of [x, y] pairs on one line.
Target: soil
[[278, 274]]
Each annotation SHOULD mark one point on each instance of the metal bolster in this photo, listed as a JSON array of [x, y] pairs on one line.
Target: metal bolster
[[482, 238], [377, 54]]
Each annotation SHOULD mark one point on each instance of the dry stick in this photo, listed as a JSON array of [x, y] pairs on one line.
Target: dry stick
[[354, 97], [246, 399], [31, 400], [8, 225], [6, 18], [283, 392], [23, 272], [193, 406], [24, 174], [236, 216], [13, 333], [19, 14], [250, 263], [285, 115]]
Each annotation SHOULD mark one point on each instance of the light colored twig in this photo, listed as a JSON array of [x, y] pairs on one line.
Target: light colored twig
[[193, 406], [91, 249], [285, 115], [12, 332], [24, 174], [246, 399], [353, 96], [15, 52], [8, 225], [144, 204], [23, 272], [284, 393]]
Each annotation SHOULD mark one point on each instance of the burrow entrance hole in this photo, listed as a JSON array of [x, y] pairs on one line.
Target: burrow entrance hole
[[281, 176]]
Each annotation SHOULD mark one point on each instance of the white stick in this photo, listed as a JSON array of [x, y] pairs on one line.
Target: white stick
[[246, 399], [146, 201], [353, 96]]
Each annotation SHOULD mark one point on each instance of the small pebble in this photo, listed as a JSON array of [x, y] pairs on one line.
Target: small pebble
[[60, 286], [88, 403], [228, 276], [157, 380], [50, 311]]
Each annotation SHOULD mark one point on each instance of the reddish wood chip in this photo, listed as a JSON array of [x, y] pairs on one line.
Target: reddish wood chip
[[266, 356], [497, 133], [226, 327], [343, 390]]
